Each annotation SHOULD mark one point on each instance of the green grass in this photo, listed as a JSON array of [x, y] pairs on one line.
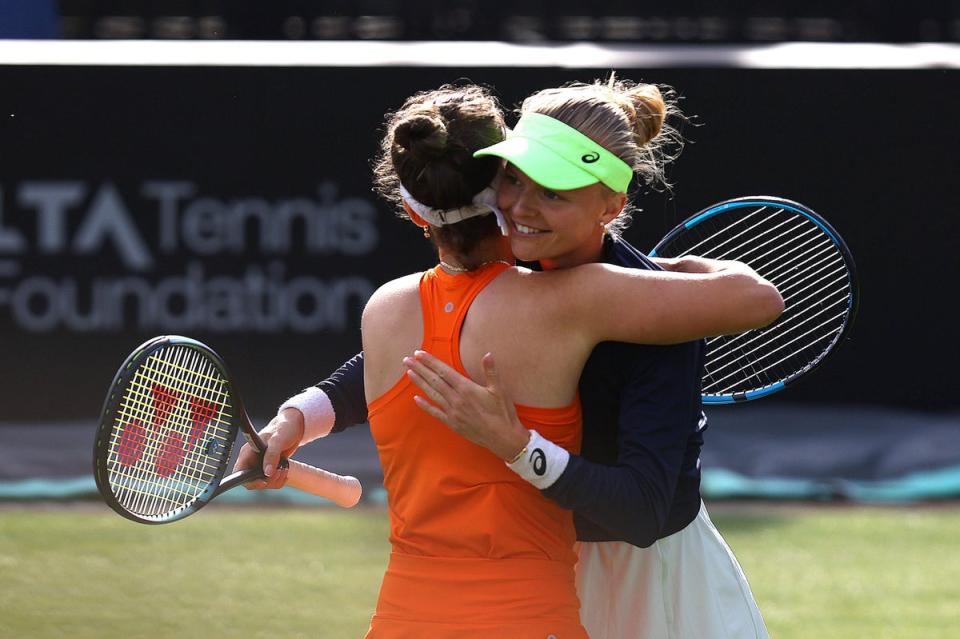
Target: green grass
[[222, 573], [851, 572], [821, 572]]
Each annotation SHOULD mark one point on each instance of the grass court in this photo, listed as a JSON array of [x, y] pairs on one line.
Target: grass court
[[79, 571]]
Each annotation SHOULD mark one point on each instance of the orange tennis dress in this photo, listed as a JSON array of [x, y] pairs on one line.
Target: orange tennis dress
[[477, 552]]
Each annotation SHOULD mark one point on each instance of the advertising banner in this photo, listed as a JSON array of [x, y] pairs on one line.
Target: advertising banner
[[233, 205]]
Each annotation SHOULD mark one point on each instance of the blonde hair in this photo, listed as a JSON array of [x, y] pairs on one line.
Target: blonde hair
[[629, 119]]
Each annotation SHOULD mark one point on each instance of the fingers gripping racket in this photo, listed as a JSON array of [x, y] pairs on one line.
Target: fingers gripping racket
[[167, 430], [809, 263]]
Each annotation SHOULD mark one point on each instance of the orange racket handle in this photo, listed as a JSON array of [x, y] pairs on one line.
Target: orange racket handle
[[340, 489]]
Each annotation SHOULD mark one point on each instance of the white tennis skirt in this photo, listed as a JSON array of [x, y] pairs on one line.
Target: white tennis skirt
[[686, 586]]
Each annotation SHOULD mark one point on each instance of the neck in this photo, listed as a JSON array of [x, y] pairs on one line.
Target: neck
[[589, 252], [496, 250]]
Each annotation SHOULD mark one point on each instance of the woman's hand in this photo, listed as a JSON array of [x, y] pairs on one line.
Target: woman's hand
[[282, 437], [483, 414]]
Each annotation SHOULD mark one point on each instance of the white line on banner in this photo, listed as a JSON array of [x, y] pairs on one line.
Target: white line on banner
[[791, 55]]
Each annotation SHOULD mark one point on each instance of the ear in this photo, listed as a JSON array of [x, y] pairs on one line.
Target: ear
[[614, 205], [416, 219]]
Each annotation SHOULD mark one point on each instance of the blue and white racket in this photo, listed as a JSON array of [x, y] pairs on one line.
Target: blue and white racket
[[809, 263]]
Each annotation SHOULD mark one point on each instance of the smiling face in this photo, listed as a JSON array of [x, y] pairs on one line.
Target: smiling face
[[560, 229]]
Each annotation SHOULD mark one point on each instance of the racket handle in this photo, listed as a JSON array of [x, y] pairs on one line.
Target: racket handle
[[342, 490]]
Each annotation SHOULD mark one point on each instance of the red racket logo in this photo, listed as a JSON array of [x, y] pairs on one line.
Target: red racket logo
[[132, 443], [133, 437], [170, 455]]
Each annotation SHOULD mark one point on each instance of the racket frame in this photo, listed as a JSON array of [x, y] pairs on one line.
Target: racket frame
[[853, 301], [239, 421]]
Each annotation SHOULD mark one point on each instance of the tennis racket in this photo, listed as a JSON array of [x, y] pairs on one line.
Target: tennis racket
[[167, 430], [809, 263]]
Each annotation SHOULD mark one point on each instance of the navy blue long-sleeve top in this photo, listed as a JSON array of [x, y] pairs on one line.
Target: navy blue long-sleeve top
[[637, 478]]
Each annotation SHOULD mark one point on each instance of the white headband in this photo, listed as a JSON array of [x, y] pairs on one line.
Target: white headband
[[484, 202]]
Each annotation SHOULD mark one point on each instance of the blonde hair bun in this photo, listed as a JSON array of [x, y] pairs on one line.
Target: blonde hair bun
[[632, 120], [646, 111]]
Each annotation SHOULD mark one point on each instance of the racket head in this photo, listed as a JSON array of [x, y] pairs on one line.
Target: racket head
[[805, 258], [167, 430]]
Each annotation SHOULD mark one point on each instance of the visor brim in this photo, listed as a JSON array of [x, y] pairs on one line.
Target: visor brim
[[540, 164]]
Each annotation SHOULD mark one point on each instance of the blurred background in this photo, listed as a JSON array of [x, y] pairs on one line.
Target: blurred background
[[539, 21], [152, 183], [203, 168]]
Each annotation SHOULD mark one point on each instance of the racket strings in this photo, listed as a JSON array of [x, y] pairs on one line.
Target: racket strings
[[769, 345], [740, 251], [137, 406], [795, 241], [834, 291], [789, 282], [769, 375], [780, 261], [177, 405], [801, 270], [135, 482], [715, 243], [188, 467], [796, 359], [177, 484], [695, 249], [806, 266], [149, 402], [771, 353]]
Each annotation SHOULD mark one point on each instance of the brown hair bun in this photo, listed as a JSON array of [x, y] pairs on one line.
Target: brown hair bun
[[421, 135]]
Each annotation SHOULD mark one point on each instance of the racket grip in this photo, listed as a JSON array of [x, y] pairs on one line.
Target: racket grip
[[342, 490]]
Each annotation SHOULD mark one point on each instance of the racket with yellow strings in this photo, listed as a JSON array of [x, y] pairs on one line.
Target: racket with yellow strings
[[167, 430]]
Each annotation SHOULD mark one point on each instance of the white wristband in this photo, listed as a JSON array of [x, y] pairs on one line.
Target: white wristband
[[318, 414], [542, 461]]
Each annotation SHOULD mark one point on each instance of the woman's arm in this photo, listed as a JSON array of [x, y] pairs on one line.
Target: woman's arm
[[691, 264], [656, 307], [642, 483], [629, 499], [332, 405]]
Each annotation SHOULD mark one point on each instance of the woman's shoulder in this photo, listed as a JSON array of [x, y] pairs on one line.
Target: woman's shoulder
[[400, 286], [393, 297]]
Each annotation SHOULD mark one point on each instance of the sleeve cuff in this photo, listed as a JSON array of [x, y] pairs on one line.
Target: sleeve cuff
[[542, 461], [318, 413]]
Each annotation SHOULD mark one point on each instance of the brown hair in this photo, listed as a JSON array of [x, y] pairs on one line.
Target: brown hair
[[628, 119], [428, 147]]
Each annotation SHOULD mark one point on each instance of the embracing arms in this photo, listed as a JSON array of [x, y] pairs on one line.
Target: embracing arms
[[641, 483], [636, 487], [707, 298]]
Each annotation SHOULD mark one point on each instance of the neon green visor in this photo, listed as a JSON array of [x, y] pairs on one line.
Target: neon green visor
[[557, 156]]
